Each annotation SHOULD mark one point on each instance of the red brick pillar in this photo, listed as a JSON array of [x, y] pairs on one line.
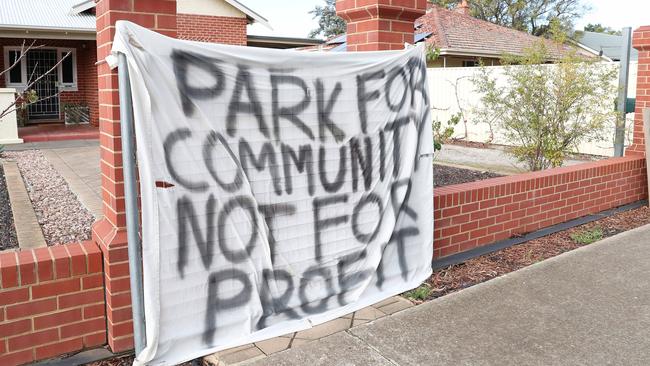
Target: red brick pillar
[[110, 231], [375, 25], [641, 41]]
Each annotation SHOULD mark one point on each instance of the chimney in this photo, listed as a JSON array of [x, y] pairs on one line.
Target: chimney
[[463, 8]]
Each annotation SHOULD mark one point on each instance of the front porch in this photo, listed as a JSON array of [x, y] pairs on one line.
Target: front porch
[[57, 132], [66, 88]]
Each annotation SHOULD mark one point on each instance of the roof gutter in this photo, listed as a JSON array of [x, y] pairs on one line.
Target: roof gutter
[[41, 32]]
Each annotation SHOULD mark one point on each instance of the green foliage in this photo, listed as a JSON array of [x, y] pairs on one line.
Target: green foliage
[[599, 28], [589, 236], [2, 150], [432, 52], [546, 111], [532, 16], [329, 24], [419, 294], [442, 135]]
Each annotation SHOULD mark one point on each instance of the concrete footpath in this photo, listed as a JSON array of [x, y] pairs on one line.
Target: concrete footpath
[[586, 307]]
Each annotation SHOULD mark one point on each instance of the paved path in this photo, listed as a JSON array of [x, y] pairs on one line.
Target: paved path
[[493, 159], [586, 307], [78, 162]]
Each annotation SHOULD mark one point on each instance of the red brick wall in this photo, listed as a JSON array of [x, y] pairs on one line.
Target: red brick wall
[[51, 302], [374, 25], [641, 41], [204, 28], [86, 71], [481, 213]]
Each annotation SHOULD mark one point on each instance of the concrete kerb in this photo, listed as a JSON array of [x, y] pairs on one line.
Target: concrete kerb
[[28, 230]]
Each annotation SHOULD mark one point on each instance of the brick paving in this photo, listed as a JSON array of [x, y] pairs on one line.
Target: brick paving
[[257, 351]]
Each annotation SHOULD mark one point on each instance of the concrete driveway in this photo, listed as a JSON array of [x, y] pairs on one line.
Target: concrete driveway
[[586, 307]]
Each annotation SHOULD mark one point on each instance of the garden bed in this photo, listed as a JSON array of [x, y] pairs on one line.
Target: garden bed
[[474, 271], [444, 175], [63, 219], [8, 238]]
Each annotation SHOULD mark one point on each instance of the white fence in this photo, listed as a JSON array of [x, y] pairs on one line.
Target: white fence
[[452, 91]]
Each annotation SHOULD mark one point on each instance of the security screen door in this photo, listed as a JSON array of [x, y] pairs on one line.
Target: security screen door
[[46, 108]]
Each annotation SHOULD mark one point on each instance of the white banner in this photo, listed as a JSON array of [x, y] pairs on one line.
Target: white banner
[[280, 189]]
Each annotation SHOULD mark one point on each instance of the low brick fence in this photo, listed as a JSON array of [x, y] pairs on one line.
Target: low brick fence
[[480, 213], [51, 302]]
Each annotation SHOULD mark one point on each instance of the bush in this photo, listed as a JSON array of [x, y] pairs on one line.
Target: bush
[[546, 111]]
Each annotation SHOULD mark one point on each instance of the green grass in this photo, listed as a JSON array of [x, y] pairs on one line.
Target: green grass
[[588, 236], [420, 294]]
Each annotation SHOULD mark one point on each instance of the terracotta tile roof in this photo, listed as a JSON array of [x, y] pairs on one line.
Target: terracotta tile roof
[[453, 31]]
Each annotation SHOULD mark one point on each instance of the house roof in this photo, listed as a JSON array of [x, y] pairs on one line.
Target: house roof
[[609, 44], [456, 33], [70, 15], [47, 15]]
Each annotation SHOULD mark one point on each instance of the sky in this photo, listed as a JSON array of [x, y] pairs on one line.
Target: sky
[[291, 18]]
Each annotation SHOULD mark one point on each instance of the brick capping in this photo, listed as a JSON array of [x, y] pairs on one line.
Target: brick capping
[[51, 302], [374, 25], [481, 213]]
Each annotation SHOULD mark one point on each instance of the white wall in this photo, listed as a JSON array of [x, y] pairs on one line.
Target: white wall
[[452, 87], [8, 129], [208, 7]]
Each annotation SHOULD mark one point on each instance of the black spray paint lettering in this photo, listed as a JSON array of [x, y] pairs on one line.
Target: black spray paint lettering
[[266, 159], [205, 243], [358, 159], [216, 304], [290, 113], [275, 305], [319, 304], [270, 212], [170, 141], [244, 82], [363, 96], [182, 62], [304, 163], [325, 107], [353, 280], [247, 204], [209, 145], [334, 186], [321, 223]]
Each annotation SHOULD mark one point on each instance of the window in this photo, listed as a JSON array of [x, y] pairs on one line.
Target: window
[[66, 73], [68, 69], [470, 63], [16, 77]]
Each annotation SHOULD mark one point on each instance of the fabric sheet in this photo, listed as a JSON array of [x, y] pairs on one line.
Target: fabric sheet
[[280, 189]]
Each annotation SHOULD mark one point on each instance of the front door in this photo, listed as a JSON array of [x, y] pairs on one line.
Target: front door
[[39, 62]]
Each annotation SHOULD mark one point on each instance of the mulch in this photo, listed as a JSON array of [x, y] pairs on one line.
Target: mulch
[[8, 238], [124, 361], [474, 271], [444, 175]]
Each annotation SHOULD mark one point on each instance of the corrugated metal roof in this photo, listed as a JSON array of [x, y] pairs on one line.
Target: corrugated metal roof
[[608, 43], [44, 15]]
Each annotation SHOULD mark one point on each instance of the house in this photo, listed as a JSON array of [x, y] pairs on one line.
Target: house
[[62, 27], [464, 41], [609, 45]]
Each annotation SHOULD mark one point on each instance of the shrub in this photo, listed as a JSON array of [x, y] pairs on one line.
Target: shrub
[[546, 111]]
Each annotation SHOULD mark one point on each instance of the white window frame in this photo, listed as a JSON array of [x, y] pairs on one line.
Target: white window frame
[[60, 52], [73, 54], [23, 68]]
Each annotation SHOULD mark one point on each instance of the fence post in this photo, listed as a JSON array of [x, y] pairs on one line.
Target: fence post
[[110, 232], [374, 25], [641, 41]]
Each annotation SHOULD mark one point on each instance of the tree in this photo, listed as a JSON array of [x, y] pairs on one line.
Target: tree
[[329, 24], [547, 110], [599, 28], [532, 16]]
